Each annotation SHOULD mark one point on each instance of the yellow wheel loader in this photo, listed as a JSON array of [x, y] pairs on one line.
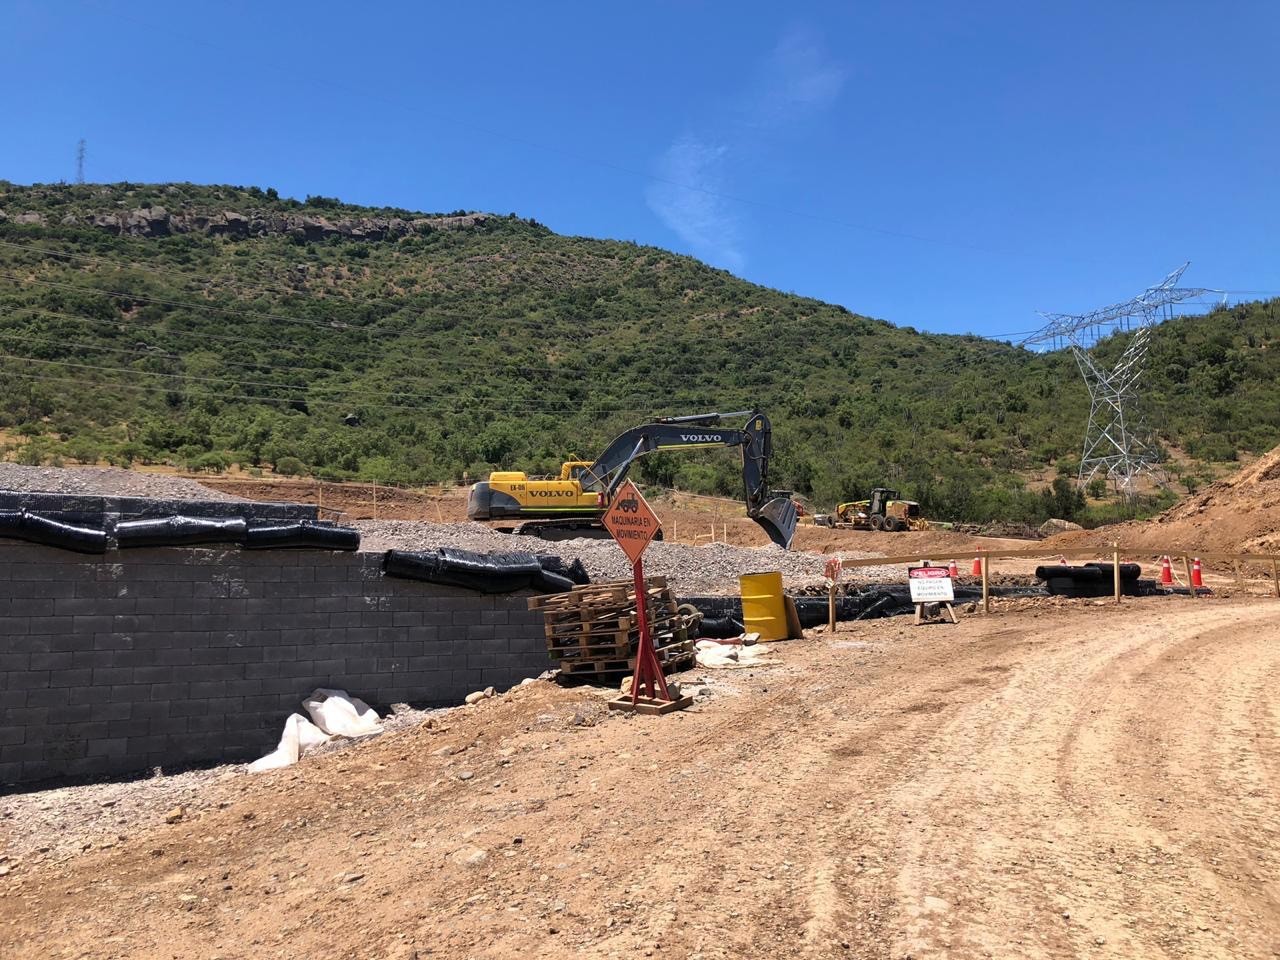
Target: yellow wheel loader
[[572, 505]]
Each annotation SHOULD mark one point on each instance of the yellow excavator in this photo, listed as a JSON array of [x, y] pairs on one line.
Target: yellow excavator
[[571, 506]]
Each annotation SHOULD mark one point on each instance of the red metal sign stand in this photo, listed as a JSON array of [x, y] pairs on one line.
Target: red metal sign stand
[[648, 672]]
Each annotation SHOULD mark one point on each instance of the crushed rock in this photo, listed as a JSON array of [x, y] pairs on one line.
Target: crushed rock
[[105, 482], [706, 569]]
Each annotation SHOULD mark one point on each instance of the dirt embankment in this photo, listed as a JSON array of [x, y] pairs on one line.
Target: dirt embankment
[[1016, 786], [1240, 514]]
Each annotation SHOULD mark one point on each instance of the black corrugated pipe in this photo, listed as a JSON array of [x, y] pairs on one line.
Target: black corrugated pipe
[[33, 528], [178, 531]]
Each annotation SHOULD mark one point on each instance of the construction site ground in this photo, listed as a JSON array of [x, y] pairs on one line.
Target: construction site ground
[[686, 518], [1062, 778]]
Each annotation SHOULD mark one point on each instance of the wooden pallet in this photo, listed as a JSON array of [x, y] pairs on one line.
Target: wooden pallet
[[671, 656], [594, 629], [620, 592]]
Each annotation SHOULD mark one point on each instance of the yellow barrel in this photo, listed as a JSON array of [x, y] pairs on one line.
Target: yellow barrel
[[763, 608]]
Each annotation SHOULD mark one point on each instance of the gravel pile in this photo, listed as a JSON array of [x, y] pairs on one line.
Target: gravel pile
[[709, 569], [104, 482]]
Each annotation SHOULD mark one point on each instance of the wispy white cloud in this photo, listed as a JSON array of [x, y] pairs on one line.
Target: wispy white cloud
[[797, 78], [800, 73], [686, 171]]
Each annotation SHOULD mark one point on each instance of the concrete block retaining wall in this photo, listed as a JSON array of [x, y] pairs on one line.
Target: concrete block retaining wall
[[174, 656]]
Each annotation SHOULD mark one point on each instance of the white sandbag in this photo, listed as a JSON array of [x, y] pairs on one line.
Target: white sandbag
[[723, 656], [299, 736], [341, 715]]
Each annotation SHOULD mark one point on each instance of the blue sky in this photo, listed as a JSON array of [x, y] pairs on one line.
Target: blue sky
[[954, 167]]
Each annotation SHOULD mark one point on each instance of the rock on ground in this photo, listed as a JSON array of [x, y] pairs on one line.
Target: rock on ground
[[105, 482], [711, 568]]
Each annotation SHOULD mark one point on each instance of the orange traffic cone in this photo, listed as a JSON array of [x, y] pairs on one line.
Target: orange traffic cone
[[1197, 575], [953, 571], [1166, 571], [977, 566]]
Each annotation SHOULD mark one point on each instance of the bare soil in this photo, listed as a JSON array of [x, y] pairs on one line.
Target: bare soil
[[1072, 779], [1239, 514]]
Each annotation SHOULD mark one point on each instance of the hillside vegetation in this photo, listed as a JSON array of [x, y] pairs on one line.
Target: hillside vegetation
[[210, 326]]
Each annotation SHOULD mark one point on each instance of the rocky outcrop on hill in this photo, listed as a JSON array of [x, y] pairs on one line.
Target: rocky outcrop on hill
[[160, 222]]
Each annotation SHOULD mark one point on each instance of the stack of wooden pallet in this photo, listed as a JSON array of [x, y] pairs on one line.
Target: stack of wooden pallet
[[594, 629]]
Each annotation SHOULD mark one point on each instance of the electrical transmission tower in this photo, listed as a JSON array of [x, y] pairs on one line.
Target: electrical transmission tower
[[80, 161], [1116, 443]]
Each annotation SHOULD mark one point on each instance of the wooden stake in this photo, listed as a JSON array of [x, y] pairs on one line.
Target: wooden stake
[[1235, 566], [319, 497], [831, 608], [1275, 575], [713, 531], [675, 531], [375, 499], [1186, 562], [986, 589], [1115, 568]]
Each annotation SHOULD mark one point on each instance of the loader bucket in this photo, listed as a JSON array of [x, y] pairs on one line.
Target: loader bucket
[[778, 518]]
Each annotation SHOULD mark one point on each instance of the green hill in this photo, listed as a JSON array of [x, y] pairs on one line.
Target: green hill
[[207, 326]]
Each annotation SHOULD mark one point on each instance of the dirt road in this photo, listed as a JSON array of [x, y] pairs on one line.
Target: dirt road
[[1093, 781]]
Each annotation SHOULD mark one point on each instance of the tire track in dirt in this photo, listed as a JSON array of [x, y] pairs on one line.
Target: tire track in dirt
[[1028, 840], [928, 792]]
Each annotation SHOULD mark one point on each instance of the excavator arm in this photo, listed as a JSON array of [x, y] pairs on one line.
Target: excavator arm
[[773, 510]]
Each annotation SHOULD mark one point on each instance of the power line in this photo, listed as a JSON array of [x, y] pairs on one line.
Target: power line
[[645, 413], [440, 362], [351, 390], [241, 313], [475, 363], [210, 281]]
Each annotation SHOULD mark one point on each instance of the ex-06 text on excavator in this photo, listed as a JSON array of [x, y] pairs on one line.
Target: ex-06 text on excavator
[[572, 505]]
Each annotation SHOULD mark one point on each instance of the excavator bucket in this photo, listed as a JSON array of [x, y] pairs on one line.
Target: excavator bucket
[[778, 518]]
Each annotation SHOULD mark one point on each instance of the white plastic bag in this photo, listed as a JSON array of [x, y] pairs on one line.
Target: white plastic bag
[[341, 715], [299, 736]]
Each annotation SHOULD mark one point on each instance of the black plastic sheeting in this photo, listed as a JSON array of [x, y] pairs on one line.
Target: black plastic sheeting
[[719, 628], [33, 528], [887, 600], [486, 572], [304, 533], [175, 531], [575, 571]]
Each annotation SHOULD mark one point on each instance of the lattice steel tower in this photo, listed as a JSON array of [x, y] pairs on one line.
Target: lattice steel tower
[[1116, 442]]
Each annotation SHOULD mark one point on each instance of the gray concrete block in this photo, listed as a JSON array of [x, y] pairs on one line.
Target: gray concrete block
[[79, 677], [109, 747], [29, 606]]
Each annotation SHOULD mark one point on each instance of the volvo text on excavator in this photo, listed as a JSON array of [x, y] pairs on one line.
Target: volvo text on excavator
[[572, 505]]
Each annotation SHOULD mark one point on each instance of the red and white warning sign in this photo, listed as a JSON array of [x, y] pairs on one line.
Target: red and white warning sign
[[930, 585]]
